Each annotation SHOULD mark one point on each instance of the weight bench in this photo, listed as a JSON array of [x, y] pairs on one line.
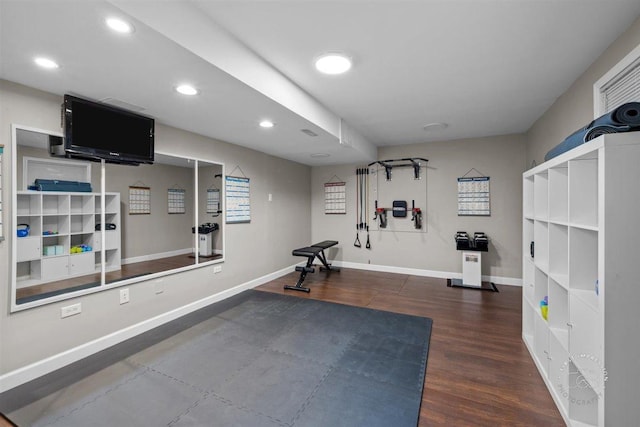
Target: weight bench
[[311, 252]]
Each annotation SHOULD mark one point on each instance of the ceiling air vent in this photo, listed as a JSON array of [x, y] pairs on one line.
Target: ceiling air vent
[[308, 132]]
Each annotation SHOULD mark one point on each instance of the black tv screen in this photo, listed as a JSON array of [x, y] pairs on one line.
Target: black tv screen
[[98, 131]]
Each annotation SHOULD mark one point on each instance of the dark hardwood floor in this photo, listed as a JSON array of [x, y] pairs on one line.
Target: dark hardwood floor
[[479, 372], [4, 422]]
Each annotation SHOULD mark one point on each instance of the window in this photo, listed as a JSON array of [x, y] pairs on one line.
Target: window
[[619, 86]]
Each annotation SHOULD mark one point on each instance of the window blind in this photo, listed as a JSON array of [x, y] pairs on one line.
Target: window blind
[[625, 88]]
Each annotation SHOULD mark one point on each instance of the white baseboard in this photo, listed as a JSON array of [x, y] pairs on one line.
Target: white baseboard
[[512, 281], [42, 367]]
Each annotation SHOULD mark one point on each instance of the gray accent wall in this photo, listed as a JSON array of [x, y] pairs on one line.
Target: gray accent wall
[[252, 250], [501, 158]]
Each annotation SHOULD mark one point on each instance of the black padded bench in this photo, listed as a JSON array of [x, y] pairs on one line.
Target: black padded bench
[[311, 252]]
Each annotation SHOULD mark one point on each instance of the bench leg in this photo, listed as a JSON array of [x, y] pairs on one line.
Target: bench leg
[[303, 274], [326, 265]]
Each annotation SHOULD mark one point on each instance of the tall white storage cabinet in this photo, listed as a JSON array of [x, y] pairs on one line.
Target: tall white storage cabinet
[[582, 211]]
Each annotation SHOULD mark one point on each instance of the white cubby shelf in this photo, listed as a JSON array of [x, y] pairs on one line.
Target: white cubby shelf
[[57, 222], [580, 211]]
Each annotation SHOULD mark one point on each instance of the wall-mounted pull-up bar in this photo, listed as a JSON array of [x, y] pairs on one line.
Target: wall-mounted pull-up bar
[[388, 165]]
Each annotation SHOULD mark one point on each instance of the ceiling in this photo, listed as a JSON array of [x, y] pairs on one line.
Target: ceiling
[[484, 67]]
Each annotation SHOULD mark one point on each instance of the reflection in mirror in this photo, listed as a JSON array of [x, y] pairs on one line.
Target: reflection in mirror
[[209, 212], [157, 214], [148, 224], [55, 251]]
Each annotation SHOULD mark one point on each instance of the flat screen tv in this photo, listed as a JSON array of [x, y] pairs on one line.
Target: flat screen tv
[[97, 131]]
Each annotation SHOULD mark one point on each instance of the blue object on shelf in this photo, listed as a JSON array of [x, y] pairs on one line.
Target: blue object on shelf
[[625, 118], [59, 185], [23, 230]]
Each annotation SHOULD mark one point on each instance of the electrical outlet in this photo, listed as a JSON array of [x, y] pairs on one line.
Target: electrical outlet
[[70, 310], [270, 197], [217, 269], [124, 296]]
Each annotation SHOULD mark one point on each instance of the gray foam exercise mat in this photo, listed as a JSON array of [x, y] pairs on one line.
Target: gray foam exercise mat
[[259, 359]]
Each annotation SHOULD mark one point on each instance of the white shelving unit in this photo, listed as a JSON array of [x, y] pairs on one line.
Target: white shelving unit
[[57, 222], [581, 210]]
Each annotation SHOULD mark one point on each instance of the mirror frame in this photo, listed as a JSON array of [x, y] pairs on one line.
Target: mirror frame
[[103, 286]]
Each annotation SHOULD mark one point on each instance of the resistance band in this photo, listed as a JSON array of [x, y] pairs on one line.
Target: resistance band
[[357, 242], [362, 206], [366, 187]]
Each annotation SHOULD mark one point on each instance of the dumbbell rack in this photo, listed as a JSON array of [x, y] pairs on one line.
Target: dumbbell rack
[[471, 250]]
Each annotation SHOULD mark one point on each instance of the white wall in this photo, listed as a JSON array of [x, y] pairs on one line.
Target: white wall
[[502, 158], [251, 250]]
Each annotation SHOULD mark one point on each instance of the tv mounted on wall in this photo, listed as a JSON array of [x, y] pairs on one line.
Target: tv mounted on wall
[[96, 131]]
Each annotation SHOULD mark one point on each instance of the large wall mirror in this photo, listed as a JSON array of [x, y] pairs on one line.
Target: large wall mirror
[[149, 221]]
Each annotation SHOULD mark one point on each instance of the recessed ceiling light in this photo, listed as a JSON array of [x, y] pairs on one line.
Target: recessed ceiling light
[[46, 63], [317, 155], [119, 26], [333, 63], [435, 126], [267, 124], [187, 90]]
